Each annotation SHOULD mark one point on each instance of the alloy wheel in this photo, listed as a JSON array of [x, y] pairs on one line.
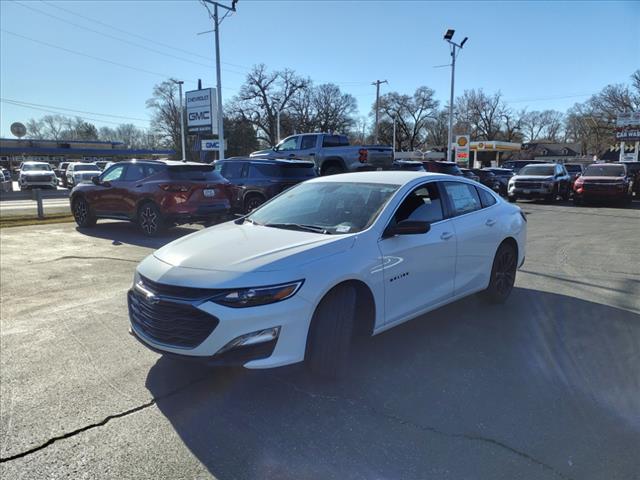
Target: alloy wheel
[[80, 211], [505, 272], [149, 220]]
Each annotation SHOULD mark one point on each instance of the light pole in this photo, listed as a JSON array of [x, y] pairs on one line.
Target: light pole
[[394, 138], [377, 84], [182, 132], [278, 126], [448, 37], [216, 24]]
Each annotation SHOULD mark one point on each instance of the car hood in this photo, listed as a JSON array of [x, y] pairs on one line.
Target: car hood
[[539, 178], [250, 248], [262, 153]]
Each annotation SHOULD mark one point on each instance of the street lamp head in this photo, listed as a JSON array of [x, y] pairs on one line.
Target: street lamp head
[[449, 34], [463, 42]]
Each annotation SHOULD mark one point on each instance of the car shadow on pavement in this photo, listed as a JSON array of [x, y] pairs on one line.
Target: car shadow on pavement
[[467, 391], [127, 233]]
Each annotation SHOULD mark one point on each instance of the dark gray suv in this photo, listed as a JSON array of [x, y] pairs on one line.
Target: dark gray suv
[[544, 181]]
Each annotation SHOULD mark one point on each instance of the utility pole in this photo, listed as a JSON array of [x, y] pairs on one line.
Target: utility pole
[[377, 84], [278, 126], [448, 37], [216, 24], [394, 138], [182, 132]]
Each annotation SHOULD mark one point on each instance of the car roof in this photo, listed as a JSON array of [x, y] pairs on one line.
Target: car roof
[[394, 177], [273, 161], [33, 162]]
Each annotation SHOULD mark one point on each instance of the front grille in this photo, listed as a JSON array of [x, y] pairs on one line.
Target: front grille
[[524, 184], [170, 323], [177, 292], [39, 178]]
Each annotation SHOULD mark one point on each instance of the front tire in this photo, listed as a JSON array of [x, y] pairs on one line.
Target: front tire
[[82, 213], [150, 219], [330, 333], [332, 170], [503, 274], [252, 202]]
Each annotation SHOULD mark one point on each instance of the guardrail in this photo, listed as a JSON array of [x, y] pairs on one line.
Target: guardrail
[[29, 195]]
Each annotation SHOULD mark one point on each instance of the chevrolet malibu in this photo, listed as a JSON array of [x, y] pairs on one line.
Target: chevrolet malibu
[[329, 259]]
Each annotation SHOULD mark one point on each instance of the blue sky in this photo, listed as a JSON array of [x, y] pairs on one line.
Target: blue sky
[[539, 54]]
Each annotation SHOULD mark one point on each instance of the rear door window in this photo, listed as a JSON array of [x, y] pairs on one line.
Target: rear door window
[[232, 170], [335, 141], [463, 197], [308, 142], [486, 199]]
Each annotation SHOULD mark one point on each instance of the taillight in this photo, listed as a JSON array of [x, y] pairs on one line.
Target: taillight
[[579, 182], [172, 187], [362, 155]]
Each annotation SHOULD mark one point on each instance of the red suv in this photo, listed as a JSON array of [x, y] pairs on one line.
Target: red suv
[[603, 181], [153, 193]]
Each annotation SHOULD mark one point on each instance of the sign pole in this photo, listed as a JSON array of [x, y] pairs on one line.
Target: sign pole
[[219, 84]]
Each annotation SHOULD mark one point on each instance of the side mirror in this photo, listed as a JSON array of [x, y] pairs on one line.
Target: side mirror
[[95, 180], [407, 227]]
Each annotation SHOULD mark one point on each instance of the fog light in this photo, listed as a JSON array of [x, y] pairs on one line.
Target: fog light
[[253, 338]]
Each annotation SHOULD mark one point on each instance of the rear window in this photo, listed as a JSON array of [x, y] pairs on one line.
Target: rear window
[[573, 168], [335, 141], [270, 170], [604, 171], [194, 172], [452, 169]]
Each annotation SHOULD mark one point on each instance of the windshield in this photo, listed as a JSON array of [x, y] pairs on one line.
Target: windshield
[[542, 170], [29, 167], [336, 207], [86, 168], [604, 171], [573, 168]]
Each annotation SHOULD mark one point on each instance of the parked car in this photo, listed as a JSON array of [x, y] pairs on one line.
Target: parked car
[[517, 165], [488, 179], [331, 153], [544, 181], [301, 275], [449, 168], [256, 181], [633, 171], [411, 165], [36, 174], [604, 181], [575, 170], [102, 164], [155, 194], [61, 173], [468, 173], [80, 172], [6, 185], [503, 175]]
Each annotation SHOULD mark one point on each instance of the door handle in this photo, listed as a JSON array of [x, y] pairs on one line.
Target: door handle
[[446, 235], [291, 155], [490, 223], [139, 185]]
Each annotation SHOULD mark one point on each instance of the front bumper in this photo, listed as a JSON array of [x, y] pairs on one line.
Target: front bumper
[[514, 191], [291, 316], [38, 183]]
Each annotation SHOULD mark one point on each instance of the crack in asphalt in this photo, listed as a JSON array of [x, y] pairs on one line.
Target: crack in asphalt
[[102, 423], [427, 428], [79, 257]]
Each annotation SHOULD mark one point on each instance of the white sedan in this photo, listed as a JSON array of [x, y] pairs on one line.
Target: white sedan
[[326, 260]]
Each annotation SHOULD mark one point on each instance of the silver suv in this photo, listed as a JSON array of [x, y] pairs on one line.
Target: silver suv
[[36, 175]]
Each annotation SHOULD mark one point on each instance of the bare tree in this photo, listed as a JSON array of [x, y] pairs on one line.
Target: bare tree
[[165, 121], [35, 129], [542, 125], [482, 113], [437, 129], [263, 95], [334, 110], [411, 113]]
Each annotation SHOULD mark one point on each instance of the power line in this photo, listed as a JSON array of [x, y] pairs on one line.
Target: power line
[[159, 52], [98, 120], [72, 110], [156, 42], [542, 99]]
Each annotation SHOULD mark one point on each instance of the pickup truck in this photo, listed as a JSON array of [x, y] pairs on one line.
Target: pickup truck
[[331, 153]]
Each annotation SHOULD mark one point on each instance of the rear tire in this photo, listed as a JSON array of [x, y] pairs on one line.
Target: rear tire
[[330, 333], [150, 219], [332, 170], [252, 202], [503, 274], [82, 213]]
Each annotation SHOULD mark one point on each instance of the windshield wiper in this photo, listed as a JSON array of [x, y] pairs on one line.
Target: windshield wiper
[[299, 226]]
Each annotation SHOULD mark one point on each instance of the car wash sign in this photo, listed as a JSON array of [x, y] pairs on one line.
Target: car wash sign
[[628, 127], [202, 111]]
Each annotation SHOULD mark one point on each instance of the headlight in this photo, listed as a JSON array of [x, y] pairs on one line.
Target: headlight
[[251, 297]]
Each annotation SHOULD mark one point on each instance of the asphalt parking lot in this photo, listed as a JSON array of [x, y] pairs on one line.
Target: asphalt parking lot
[[544, 387]]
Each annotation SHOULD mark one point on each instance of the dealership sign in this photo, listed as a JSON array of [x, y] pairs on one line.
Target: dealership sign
[[462, 148], [202, 111], [628, 127], [209, 145]]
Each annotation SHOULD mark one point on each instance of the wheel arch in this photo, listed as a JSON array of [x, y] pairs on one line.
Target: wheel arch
[[332, 161]]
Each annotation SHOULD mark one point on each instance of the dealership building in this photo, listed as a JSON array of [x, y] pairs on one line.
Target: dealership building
[[14, 151]]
